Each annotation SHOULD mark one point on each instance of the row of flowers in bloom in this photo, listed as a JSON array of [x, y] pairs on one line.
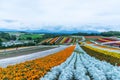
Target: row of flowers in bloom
[[34, 69], [60, 40], [106, 39], [81, 66], [110, 55], [110, 48], [104, 51], [109, 40]]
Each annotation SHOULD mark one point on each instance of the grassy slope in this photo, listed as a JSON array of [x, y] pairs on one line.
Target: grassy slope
[[33, 36]]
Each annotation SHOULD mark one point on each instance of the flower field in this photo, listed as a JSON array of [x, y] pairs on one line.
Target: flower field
[[34, 69], [102, 40], [60, 40], [102, 46], [88, 62], [106, 39], [112, 56], [93, 37], [81, 66]]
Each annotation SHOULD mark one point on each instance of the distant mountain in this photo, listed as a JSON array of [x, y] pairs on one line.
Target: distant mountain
[[38, 31], [50, 31], [1, 29], [62, 31]]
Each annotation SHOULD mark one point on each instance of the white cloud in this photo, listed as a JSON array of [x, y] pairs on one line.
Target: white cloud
[[38, 14]]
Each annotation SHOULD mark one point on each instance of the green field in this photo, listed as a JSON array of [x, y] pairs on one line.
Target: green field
[[33, 36]]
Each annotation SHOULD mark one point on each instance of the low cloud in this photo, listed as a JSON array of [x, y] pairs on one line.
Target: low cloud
[[99, 15]]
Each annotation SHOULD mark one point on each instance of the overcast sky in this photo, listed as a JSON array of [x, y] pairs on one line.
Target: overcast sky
[[100, 15]]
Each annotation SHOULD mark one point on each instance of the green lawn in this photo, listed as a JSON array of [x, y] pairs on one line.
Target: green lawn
[[33, 36]]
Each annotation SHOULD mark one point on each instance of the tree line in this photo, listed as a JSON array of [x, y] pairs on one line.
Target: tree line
[[108, 33]]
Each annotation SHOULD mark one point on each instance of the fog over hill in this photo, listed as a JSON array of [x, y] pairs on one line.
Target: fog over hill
[[65, 29]]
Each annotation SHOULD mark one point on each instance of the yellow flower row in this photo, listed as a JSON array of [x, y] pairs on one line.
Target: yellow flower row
[[34, 69], [113, 54], [63, 40]]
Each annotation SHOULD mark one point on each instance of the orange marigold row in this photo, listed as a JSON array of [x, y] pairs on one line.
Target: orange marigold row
[[34, 69]]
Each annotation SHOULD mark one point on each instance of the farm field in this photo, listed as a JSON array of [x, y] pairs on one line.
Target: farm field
[[61, 40], [111, 41], [68, 58], [24, 35], [92, 37], [34, 69], [107, 54], [81, 66], [32, 36]]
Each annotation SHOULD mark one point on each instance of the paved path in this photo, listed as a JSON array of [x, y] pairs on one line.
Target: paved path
[[23, 58], [27, 47], [110, 42], [20, 52], [12, 49]]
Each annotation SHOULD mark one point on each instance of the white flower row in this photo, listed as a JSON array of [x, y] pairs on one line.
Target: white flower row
[[80, 71], [55, 71], [68, 72], [100, 70], [94, 72]]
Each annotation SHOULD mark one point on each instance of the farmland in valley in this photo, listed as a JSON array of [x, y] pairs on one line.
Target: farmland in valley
[[61, 40], [84, 58]]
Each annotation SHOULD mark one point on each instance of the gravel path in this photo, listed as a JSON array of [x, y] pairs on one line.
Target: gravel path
[[20, 52], [23, 58]]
